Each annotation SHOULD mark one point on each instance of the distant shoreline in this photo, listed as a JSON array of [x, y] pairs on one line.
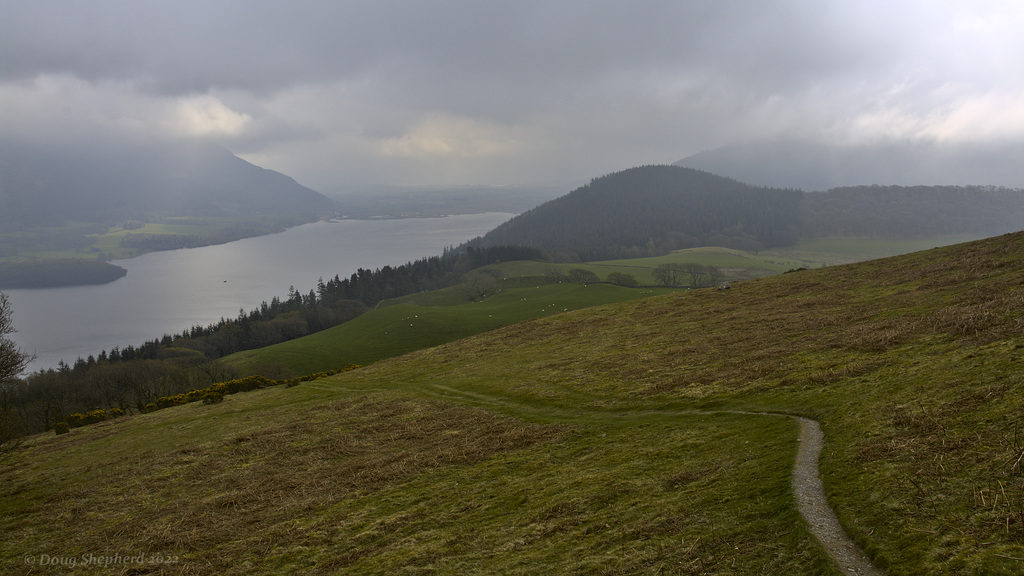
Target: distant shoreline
[[58, 273], [41, 273]]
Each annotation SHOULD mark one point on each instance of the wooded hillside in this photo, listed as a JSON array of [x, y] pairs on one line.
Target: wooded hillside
[[652, 210]]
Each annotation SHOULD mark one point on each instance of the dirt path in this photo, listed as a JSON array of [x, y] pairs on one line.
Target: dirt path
[[810, 498], [807, 488]]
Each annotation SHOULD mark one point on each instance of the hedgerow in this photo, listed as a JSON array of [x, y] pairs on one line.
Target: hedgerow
[[211, 395], [78, 419]]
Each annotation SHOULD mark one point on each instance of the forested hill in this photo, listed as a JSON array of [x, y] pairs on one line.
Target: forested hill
[[909, 211], [652, 210]]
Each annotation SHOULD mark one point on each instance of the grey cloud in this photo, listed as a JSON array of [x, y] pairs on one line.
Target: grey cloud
[[602, 83], [253, 45]]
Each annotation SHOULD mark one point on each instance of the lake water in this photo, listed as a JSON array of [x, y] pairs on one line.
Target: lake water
[[167, 292]]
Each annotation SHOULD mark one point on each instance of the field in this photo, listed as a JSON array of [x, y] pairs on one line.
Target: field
[[736, 264], [414, 322], [422, 320], [95, 241], [842, 250], [602, 440], [742, 265]]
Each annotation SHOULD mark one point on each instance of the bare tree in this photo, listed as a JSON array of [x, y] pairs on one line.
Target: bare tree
[[622, 279], [583, 276], [12, 363], [669, 274], [12, 360], [554, 274], [478, 284], [697, 273]]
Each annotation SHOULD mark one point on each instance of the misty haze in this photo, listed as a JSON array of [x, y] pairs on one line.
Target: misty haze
[[521, 288]]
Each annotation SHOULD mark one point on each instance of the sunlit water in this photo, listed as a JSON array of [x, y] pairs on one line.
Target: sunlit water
[[167, 292]]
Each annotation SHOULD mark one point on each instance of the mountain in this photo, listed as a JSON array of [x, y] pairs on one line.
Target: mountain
[[651, 210], [811, 165], [655, 209], [133, 180]]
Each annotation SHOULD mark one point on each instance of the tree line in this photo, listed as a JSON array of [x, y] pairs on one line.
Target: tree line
[[130, 377], [670, 275], [911, 211], [653, 210]]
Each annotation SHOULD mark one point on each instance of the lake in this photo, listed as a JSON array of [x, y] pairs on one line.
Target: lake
[[167, 292]]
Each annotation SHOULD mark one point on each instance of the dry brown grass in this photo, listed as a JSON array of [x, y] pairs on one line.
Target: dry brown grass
[[217, 502]]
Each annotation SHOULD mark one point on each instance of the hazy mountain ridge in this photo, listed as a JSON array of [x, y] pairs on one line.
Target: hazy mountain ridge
[[815, 166], [49, 185], [655, 209]]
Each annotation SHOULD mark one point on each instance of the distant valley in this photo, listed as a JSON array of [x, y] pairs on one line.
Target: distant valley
[[67, 210]]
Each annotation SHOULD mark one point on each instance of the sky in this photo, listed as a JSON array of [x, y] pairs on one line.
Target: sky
[[342, 93]]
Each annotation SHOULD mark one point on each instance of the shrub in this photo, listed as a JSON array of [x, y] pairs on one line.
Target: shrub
[[622, 279], [168, 401], [76, 420], [248, 383], [213, 397], [583, 276], [319, 375], [61, 428], [94, 416]]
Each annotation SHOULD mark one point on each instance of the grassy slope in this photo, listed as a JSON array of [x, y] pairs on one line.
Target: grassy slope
[[844, 250], [591, 442], [736, 264], [428, 319], [423, 320], [741, 264]]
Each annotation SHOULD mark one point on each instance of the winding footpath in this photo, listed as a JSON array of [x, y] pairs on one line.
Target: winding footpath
[[807, 489], [810, 498]]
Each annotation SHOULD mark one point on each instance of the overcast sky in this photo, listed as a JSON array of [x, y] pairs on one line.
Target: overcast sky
[[337, 93]]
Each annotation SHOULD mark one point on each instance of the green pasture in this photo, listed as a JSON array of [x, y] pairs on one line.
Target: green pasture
[[410, 323], [736, 264], [840, 250], [422, 320]]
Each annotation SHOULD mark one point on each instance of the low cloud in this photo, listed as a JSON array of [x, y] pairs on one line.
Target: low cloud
[[461, 91], [206, 116]]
